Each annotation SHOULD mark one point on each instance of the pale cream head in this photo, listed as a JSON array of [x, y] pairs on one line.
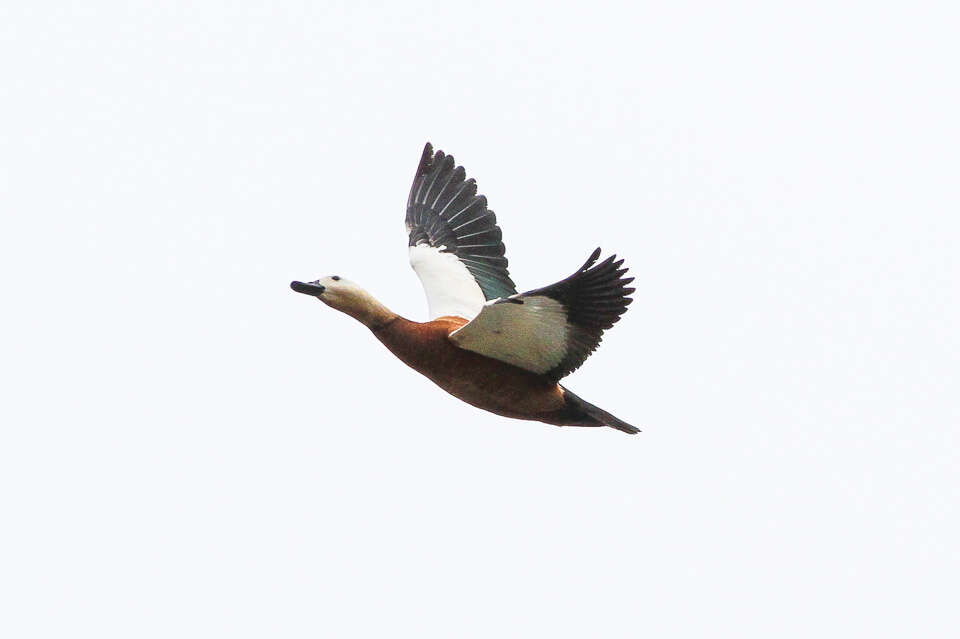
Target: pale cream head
[[345, 296]]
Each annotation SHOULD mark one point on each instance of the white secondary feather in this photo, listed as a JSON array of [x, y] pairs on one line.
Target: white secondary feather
[[450, 288], [532, 335]]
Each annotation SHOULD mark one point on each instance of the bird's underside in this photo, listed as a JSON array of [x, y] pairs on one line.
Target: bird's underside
[[483, 382]]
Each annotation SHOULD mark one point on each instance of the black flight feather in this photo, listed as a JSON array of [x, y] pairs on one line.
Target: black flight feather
[[594, 298], [445, 212]]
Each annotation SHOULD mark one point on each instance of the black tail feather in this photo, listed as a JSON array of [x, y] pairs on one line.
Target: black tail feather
[[583, 413]]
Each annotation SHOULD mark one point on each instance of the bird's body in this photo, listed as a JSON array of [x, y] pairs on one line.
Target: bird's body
[[486, 344], [480, 381]]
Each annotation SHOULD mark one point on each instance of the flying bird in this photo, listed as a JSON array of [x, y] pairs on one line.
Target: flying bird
[[486, 344]]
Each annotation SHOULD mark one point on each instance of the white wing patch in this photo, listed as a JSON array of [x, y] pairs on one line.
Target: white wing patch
[[531, 335], [450, 288]]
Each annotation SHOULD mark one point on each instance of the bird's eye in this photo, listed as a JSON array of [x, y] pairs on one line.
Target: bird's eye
[[335, 278]]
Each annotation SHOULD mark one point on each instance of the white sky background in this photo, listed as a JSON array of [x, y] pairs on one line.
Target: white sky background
[[191, 449]]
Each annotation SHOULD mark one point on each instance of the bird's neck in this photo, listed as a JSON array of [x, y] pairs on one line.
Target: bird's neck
[[369, 311]]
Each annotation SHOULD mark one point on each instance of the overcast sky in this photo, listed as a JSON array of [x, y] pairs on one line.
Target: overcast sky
[[190, 449]]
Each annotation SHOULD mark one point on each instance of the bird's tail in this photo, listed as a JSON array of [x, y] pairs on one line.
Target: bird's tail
[[583, 413]]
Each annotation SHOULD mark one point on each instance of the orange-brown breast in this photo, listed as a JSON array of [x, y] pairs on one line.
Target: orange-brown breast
[[481, 381]]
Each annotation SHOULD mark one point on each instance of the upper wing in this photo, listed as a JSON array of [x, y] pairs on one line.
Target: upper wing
[[551, 330], [455, 243]]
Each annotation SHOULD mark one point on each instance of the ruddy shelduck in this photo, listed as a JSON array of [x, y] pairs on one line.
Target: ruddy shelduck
[[486, 344]]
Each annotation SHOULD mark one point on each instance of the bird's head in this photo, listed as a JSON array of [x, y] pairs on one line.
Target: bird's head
[[345, 296]]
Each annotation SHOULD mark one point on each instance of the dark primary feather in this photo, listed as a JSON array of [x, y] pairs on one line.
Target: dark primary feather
[[594, 299], [444, 210]]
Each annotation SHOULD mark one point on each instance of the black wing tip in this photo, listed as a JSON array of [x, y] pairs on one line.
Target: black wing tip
[[430, 160], [590, 260], [610, 261], [426, 159], [609, 269]]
